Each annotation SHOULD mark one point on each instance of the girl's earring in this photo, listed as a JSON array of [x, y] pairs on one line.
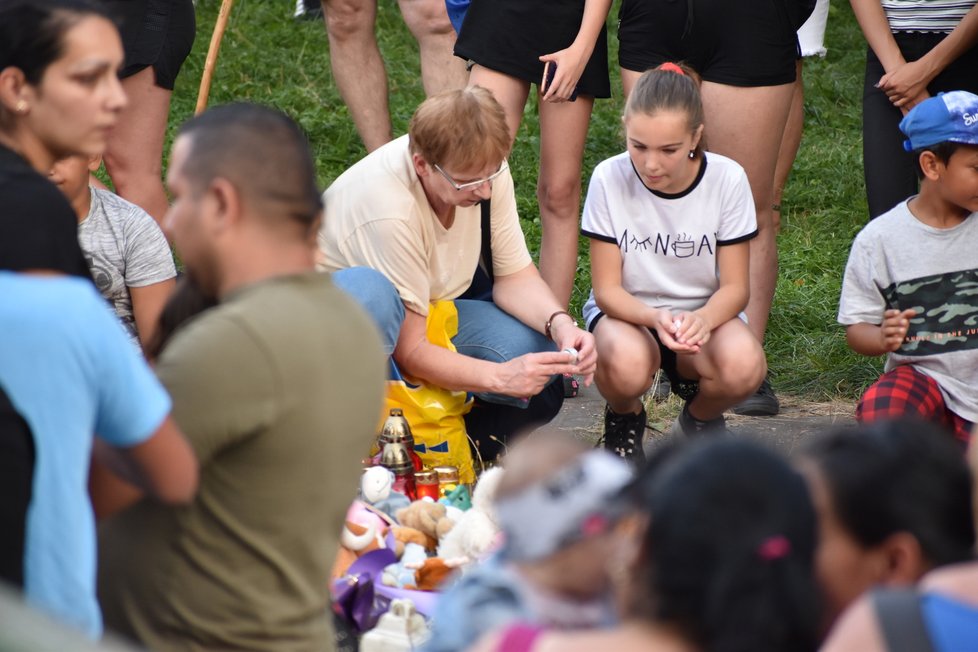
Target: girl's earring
[[21, 107], [692, 153]]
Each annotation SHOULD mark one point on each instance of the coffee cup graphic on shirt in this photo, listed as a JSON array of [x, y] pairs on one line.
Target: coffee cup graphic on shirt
[[683, 246]]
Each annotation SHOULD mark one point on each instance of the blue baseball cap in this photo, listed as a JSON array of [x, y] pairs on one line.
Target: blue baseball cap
[[949, 117]]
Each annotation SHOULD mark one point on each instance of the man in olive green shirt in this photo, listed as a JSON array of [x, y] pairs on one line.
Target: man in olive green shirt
[[279, 390]]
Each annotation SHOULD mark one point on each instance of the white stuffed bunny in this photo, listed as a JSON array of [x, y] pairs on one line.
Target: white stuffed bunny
[[476, 531]]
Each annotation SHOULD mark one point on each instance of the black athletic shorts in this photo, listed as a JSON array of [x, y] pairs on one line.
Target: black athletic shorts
[[157, 33], [509, 36], [732, 42]]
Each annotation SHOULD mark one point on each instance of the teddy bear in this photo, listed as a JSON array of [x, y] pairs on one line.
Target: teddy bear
[[429, 518], [477, 532]]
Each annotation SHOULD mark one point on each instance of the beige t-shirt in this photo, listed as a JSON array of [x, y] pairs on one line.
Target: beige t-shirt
[[377, 216], [279, 391]]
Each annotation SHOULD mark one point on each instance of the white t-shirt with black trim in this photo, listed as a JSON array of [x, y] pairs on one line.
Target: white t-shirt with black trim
[[668, 242]]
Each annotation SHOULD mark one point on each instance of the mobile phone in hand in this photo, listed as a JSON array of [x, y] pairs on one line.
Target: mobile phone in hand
[[549, 70]]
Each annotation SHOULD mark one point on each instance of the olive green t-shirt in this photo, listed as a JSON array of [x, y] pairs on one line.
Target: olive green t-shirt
[[279, 390]]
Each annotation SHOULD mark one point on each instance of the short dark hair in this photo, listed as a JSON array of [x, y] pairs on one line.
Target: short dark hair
[[32, 32], [943, 152], [260, 150], [899, 476], [715, 507]]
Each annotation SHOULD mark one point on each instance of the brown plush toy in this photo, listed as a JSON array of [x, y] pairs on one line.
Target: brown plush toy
[[404, 535], [432, 574], [427, 517]]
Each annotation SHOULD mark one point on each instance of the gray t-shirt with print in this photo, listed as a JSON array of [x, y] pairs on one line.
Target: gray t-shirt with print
[[125, 248], [899, 262]]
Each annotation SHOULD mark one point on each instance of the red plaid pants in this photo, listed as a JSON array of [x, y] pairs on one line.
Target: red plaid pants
[[905, 392]]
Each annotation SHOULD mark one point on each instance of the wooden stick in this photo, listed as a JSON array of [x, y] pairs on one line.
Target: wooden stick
[[211, 61]]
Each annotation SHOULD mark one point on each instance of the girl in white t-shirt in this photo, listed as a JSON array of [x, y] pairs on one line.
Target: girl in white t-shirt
[[670, 226]]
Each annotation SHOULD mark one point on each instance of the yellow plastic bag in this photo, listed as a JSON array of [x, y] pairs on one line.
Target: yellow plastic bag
[[436, 414]]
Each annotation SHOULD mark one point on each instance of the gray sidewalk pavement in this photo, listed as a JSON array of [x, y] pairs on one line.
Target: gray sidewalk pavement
[[582, 416]]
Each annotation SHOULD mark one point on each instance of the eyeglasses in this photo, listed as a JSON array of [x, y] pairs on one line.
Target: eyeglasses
[[471, 185]]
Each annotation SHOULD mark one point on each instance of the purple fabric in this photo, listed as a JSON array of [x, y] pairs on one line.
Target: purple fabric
[[354, 596], [361, 598]]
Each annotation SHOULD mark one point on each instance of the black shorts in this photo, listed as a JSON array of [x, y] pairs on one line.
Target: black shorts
[[733, 42], [157, 33], [682, 387], [509, 36]]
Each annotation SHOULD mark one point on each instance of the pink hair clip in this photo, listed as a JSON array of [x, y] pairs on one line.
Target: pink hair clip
[[773, 548], [669, 66]]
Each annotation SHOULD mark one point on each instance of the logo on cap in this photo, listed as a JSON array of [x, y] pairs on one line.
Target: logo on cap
[[948, 117]]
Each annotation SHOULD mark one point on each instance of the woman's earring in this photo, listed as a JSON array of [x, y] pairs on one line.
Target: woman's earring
[[21, 106], [692, 153]]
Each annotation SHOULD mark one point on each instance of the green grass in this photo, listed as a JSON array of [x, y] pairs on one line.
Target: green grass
[[269, 58]]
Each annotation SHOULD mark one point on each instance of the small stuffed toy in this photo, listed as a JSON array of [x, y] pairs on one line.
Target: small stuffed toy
[[376, 489], [459, 498], [427, 516], [477, 531], [401, 574], [363, 531], [404, 536], [432, 574], [355, 541]]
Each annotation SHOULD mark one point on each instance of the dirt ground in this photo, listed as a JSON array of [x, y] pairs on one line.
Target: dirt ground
[[583, 417]]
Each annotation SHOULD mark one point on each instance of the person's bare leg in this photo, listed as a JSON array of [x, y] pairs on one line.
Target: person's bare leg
[[747, 125], [563, 131], [358, 67], [510, 92], [627, 361], [729, 367], [134, 156], [428, 21], [790, 143], [628, 79]]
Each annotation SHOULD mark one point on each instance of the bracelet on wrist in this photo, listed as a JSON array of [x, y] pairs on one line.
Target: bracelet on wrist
[[547, 329]]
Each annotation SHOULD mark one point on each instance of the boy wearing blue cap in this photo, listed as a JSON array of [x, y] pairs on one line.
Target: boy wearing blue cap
[[911, 284]]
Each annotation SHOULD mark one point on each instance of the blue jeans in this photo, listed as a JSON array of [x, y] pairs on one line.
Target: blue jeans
[[484, 331]]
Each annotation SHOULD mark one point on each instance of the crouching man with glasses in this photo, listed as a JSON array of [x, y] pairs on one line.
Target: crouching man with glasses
[[412, 213]]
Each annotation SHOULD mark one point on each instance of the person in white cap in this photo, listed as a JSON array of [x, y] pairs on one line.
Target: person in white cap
[[556, 507]]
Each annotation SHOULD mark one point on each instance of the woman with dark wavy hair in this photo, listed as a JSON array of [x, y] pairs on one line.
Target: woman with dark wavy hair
[[66, 366]]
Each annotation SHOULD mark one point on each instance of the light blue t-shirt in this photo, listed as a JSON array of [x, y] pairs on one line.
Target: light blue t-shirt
[[69, 369]]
